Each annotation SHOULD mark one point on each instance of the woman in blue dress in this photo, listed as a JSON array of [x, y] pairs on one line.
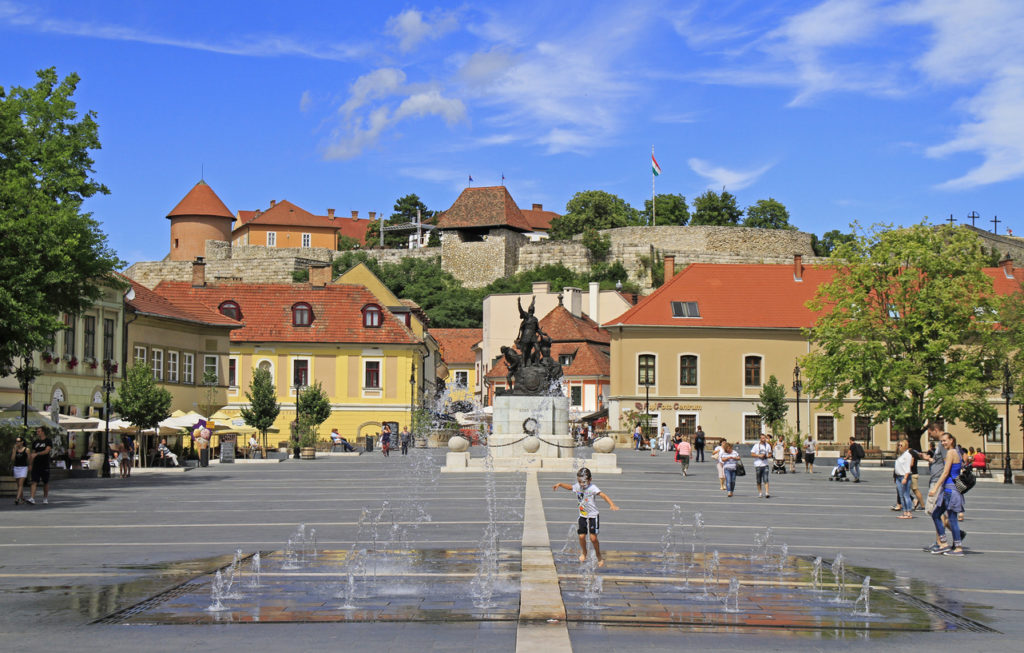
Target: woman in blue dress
[[950, 503]]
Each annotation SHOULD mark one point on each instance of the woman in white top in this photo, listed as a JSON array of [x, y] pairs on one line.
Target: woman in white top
[[717, 455], [728, 459]]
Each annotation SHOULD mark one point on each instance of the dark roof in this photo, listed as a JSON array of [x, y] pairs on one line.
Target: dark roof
[[488, 206]]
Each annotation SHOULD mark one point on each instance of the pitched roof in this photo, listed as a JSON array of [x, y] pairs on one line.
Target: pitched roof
[[561, 325], [749, 296], [457, 344], [267, 312], [538, 218], [487, 206], [353, 228], [147, 302], [588, 360], [284, 213], [201, 200]]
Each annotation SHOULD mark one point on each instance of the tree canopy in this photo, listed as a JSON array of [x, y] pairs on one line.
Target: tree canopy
[[53, 257], [140, 400], [907, 327], [404, 213], [773, 407], [829, 241], [767, 214], [313, 407], [263, 408], [671, 210], [596, 209], [711, 208]]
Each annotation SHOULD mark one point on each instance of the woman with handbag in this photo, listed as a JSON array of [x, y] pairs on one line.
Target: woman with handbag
[[949, 502], [730, 460]]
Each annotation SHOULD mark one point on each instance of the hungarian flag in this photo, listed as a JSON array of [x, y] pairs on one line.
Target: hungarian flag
[[655, 168]]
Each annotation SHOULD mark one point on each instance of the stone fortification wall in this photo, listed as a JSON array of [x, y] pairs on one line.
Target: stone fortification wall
[[1011, 245], [150, 273], [479, 262], [398, 255]]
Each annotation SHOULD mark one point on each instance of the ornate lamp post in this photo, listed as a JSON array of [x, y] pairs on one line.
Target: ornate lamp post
[[798, 385], [412, 393], [109, 369], [1007, 395], [26, 374]]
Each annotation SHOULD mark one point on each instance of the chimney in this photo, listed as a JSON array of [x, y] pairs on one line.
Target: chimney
[[538, 207], [198, 272], [355, 215], [1007, 265], [670, 266], [272, 203], [575, 300], [319, 275], [373, 215], [330, 214], [798, 267], [594, 295]]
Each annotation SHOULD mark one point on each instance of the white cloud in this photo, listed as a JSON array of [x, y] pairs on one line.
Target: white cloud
[[379, 83], [410, 28], [306, 101], [723, 177]]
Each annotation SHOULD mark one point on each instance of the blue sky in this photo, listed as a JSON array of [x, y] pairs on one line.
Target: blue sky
[[843, 110]]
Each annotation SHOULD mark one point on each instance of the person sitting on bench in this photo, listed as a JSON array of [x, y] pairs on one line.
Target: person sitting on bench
[[167, 453], [338, 441]]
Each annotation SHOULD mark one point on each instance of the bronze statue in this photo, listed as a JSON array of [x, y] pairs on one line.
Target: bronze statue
[[512, 360], [531, 370], [527, 338]]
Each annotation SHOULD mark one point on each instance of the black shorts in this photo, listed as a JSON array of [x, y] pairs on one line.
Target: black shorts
[[809, 458], [588, 525], [41, 475]]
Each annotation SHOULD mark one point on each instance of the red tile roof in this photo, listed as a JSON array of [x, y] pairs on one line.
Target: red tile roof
[[147, 302], [562, 326], [267, 312], [487, 206], [588, 360], [284, 213], [353, 228], [538, 218], [457, 344], [201, 200], [750, 296]]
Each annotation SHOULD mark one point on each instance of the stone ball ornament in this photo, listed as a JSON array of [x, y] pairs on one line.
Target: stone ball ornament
[[458, 444], [604, 445], [531, 444]]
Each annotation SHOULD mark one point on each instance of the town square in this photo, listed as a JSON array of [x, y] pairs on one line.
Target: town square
[[550, 329]]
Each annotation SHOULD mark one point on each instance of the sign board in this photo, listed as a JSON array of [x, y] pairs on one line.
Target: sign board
[[227, 450]]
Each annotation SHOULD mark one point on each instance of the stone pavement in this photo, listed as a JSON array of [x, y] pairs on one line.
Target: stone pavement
[[103, 545]]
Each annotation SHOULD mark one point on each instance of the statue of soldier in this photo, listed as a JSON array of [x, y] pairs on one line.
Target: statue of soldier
[[527, 338]]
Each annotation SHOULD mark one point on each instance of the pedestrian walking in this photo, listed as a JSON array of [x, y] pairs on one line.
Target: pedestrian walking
[[683, 453], [406, 440], [39, 461], [385, 441], [950, 502], [730, 459], [761, 452], [901, 476], [809, 450], [720, 464], [856, 455], [19, 461], [698, 444]]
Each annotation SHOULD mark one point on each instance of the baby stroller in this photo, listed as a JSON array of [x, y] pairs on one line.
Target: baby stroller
[[779, 460], [839, 471]]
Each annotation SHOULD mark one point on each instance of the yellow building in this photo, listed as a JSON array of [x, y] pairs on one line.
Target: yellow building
[[286, 225]]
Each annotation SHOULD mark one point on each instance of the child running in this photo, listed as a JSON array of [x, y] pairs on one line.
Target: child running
[[590, 519]]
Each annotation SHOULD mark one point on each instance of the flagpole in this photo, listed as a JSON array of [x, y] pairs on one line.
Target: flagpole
[[654, 198]]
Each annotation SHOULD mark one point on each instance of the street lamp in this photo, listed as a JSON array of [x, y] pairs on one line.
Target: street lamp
[[1007, 395], [412, 393], [798, 385], [109, 369], [26, 375]]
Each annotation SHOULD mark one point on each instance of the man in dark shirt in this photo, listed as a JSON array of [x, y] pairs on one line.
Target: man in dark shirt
[[698, 445], [39, 461], [856, 455]]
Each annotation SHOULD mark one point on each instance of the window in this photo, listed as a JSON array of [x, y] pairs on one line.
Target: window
[[862, 428], [371, 374], [687, 423], [188, 366], [826, 428], [565, 359], [230, 309], [461, 379], [271, 239], [302, 314], [645, 369], [210, 367], [172, 366], [158, 364], [307, 240], [233, 372], [300, 373], [69, 336], [996, 434], [688, 370], [751, 428], [895, 435], [372, 316], [108, 339], [685, 309], [140, 355], [89, 344], [894, 312], [752, 370], [576, 395]]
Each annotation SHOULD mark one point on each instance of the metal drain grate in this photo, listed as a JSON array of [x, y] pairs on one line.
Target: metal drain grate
[[150, 603]]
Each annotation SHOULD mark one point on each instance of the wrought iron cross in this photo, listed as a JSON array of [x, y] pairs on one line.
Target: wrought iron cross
[[995, 224], [973, 215], [951, 220]]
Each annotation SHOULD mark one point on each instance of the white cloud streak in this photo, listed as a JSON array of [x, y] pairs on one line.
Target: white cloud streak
[[719, 176], [411, 29]]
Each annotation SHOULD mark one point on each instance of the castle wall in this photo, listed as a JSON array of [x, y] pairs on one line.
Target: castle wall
[[189, 232], [477, 263]]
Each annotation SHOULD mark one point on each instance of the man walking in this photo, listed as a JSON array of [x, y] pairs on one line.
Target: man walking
[[406, 439], [666, 437], [761, 453], [698, 445], [856, 455], [39, 462]]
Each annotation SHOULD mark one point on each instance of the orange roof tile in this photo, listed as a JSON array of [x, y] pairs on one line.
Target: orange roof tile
[[589, 360], [147, 302], [353, 228], [562, 326], [284, 213], [457, 344], [267, 312], [538, 218], [487, 206], [201, 200]]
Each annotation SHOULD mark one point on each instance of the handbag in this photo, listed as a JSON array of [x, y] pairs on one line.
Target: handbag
[[965, 481], [740, 470]]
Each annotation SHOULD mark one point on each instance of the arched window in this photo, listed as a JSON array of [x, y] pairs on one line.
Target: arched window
[[302, 314], [230, 309], [372, 316]]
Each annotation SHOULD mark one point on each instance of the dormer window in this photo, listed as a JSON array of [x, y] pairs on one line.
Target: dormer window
[[685, 309], [302, 314], [565, 359], [230, 309], [372, 316]]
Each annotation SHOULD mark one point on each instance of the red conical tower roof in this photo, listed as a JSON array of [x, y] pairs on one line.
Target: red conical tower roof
[[201, 200]]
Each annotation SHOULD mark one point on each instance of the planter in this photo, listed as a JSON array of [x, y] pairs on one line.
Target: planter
[[308, 453], [8, 486]]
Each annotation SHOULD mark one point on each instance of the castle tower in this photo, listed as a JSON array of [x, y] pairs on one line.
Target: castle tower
[[200, 216]]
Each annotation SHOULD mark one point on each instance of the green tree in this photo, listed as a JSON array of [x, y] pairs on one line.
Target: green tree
[[829, 241], [346, 243], [767, 214], [53, 257], [211, 389], [434, 240], [404, 213], [906, 326], [263, 408], [348, 260], [773, 407], [671, 209], [711, 208], [597, 244], [593, 208], [313, 407], [140, 400]]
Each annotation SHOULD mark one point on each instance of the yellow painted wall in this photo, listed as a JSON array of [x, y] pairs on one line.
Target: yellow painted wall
[[288, 236], [461, 394]]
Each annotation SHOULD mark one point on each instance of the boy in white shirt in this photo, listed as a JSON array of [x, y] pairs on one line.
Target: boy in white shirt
[[589, 517]]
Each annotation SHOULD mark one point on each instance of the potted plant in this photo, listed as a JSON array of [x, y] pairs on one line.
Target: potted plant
[[307, 442], [72, 363]]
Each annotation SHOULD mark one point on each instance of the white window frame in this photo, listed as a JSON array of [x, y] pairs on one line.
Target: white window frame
[[216, 365], [271, 239], [294, 389], [379, 389], [270, 368], [817, 433], [233, 386], [636, 368], [743, 427], [679, 368], [307, 240], [576, 385], [461, 385], [743, 372], [172, 366], [157, 356], [688, 413], [188, 368], [140, 355]]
